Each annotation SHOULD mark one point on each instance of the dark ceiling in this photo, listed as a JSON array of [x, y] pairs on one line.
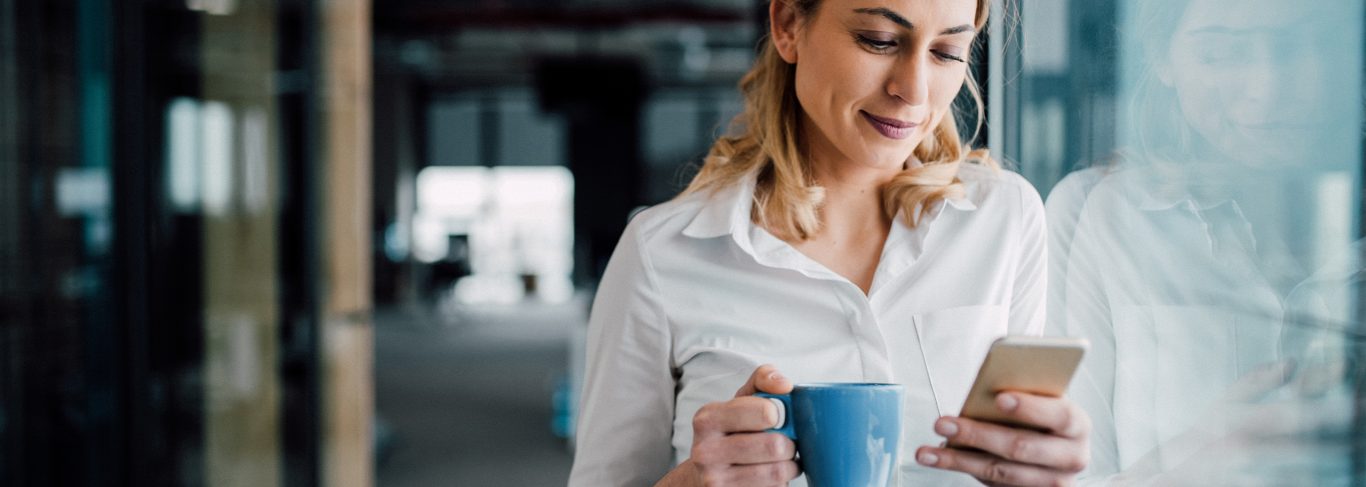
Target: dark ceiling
[[418, 17]]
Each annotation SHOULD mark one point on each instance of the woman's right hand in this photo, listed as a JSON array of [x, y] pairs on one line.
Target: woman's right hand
[[729, 445]]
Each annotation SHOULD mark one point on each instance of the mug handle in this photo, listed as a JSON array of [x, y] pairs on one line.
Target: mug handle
[[784, 404]]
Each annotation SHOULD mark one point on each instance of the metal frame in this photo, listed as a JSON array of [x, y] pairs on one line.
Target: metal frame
[[1004, 64], [1358, 352], [155, 359], [298, 30]]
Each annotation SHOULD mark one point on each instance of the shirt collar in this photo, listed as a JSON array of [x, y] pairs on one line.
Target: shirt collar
[[961, 203], [1150, 190], [727, 210], [1156, 200]]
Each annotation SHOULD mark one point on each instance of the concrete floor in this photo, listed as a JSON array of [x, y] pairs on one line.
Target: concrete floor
[[468, 396]]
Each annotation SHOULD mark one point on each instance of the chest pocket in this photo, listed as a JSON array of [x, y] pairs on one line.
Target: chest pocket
[[1173, 362], [954, 342]]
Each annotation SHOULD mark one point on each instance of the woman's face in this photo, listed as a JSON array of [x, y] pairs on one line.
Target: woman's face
[[875, 77], [1254, 79]]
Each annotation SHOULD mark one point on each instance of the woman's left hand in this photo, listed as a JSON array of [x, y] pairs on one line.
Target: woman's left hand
[[1016, 456]]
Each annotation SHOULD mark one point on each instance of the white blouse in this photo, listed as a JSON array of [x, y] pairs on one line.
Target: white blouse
[[696, 296], [1171, 293]]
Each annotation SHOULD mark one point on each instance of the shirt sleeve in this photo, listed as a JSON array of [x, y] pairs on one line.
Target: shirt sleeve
[[1063, 208], [1075, 275], [627, 406], [1087, 315], [1027, 303]]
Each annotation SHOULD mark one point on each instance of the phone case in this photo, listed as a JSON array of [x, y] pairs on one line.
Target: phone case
[[1036, 365]]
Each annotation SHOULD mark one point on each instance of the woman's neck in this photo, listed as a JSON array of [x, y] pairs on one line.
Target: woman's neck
[[853, 196], [854, 226]]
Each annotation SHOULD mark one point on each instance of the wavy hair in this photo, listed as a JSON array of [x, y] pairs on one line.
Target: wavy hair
[[1159, 129], [767, 145]]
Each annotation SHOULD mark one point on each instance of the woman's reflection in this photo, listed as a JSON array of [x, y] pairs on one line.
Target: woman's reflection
[[1180, 259]]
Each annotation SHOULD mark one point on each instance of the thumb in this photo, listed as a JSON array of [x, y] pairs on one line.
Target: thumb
[[1257, 384], [767, 379]]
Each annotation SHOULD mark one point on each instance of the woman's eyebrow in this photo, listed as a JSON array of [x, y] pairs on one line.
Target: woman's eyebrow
[[887, 13], [899, 20]]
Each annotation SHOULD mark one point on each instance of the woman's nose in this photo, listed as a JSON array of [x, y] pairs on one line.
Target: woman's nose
[[909, 81]]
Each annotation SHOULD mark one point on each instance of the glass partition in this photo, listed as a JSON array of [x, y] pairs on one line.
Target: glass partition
[[162, 245], [1202, 161]]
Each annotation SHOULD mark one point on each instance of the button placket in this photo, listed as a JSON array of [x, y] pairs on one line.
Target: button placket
[[867, 334]]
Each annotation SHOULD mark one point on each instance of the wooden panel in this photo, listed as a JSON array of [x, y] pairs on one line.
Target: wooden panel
[[347, 335], [347, 444]]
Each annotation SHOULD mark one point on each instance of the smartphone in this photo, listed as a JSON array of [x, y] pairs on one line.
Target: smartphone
[[1036, 365]]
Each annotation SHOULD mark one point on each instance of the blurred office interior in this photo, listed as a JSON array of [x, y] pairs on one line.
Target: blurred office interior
[[343, 242]]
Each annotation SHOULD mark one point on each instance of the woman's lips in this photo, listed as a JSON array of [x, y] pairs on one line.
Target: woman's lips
[[890, 127]]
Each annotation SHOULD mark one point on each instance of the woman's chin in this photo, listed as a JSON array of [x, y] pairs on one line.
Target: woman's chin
[[890, 161]]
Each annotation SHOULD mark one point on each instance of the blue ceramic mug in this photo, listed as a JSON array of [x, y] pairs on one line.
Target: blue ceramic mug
[[847, 434]]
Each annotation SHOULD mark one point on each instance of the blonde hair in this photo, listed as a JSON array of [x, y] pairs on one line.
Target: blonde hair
[[767, 145]]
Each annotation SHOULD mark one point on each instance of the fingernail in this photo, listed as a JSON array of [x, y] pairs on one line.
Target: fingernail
[[781, 417], [1007, 402], [946, 428], [775, 376], [927, 458]]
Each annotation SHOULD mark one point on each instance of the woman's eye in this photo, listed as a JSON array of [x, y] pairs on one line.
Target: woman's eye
[[875, 44], [1217, 54], [948, 57]]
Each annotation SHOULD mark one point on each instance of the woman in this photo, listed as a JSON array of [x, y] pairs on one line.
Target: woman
[[841, 236]]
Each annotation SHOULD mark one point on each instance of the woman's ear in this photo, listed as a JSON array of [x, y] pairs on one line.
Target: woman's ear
[[784, 23]]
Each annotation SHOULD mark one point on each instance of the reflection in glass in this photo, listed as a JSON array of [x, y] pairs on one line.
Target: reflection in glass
[[1211, 261]]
